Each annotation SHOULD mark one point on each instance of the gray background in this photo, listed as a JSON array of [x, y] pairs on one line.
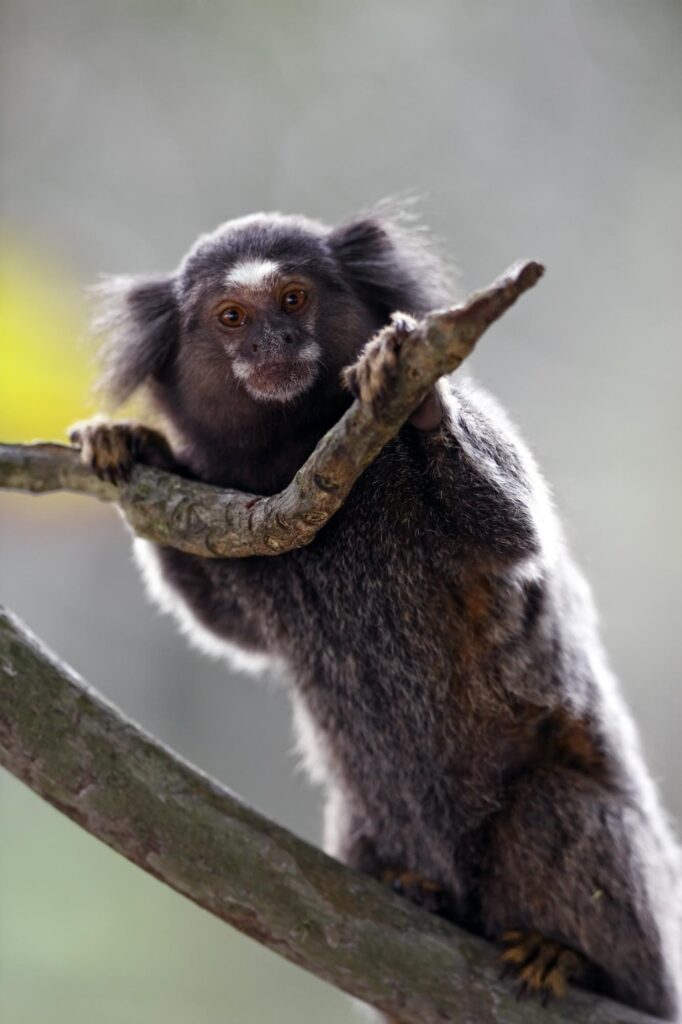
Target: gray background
[[542, 129]]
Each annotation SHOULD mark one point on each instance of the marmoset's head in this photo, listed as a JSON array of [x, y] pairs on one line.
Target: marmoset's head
[[263, 312]]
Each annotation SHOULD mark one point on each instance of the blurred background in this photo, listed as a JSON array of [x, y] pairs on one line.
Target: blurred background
[[538, 128]]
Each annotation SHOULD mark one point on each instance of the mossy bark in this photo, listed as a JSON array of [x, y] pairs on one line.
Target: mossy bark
[[101, 770]]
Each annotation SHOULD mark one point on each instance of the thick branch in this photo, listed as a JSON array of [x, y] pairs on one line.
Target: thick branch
[[79, 753], [208, 521]]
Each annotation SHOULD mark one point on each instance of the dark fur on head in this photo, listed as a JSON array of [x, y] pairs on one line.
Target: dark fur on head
[[224, 391], [139, 319]]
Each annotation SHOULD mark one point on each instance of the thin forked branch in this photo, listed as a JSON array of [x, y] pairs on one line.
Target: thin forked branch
[[217, 523]]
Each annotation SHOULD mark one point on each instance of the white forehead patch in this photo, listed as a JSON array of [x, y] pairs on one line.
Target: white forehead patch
[[251, 273]]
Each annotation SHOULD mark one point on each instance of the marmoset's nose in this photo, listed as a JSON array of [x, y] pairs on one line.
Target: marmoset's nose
[[274, 339]]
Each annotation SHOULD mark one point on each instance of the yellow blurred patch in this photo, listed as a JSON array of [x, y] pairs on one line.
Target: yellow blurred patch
[[46, 367]]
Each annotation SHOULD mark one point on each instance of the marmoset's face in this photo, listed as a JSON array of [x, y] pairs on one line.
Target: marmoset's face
[[264, 319], [265, 311]]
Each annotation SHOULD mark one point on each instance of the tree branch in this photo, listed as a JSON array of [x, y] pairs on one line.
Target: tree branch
[[216, 523], [81, 755]]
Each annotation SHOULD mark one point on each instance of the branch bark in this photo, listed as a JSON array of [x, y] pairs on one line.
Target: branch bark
[[81, 755], [216, 523]]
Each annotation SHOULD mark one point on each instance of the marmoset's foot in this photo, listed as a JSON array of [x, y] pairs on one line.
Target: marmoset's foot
[[422, 891], [373, 375], [111, 448], [540, 965]]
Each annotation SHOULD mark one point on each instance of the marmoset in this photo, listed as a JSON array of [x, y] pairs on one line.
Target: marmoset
[[448, 684]]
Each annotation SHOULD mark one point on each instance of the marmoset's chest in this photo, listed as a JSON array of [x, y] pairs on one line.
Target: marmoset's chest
[[395, 647]]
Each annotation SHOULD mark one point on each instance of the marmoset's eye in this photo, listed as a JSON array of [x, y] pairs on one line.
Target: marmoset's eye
[[293, 300], [232, 316]]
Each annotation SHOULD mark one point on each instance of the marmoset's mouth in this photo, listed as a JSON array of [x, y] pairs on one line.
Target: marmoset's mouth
[[276, 380]]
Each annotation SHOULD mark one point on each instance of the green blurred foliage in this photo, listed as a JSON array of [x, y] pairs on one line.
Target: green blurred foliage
[[45, 372]]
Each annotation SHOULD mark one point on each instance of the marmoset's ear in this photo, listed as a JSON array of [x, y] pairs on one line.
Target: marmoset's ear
[[138, 319], [389, 265]]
